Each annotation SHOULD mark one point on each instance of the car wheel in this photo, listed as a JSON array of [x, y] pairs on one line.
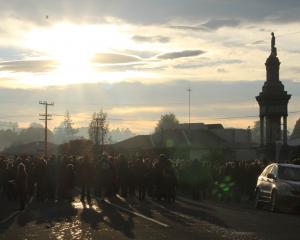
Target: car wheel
[[257, 203], [274, 202]]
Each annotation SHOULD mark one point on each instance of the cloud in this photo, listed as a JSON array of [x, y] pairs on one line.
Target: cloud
[[138, 101], [140, 54], [210, 25], [32, 66], [207, 63], [180, 54], [185, 27], [151, 12], [141, 38], [258, 42], [221, 70], [215, 24], [114, 58]]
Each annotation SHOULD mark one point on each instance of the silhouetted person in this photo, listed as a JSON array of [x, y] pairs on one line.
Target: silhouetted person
[[69, 181], [86, 178], [141, 178], [107, 175], [41, 173], [98, 184], [21, 185], [123, 173], [131, 178], [52, 175]]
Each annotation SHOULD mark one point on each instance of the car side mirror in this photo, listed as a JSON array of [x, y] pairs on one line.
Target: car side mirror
[[271, 176]]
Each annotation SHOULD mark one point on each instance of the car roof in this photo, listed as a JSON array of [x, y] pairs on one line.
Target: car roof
[[288, 165]]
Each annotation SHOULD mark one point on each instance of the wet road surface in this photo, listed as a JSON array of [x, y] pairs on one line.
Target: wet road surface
[[117, 218]]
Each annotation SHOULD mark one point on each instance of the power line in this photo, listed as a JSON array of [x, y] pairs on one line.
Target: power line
[[136, 120], [46, 118]]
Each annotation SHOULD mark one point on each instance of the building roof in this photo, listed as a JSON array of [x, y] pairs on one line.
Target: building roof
[[179, 138], [214, 126], [191, 126], [137, 142], [205, 138]]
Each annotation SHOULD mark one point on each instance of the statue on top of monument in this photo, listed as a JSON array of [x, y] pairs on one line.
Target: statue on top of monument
[[273, 48]]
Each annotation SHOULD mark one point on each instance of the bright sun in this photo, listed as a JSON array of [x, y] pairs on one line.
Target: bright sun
[[73, 47]]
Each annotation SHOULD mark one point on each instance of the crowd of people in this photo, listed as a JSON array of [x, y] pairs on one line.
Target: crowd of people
[[228, 181], [104, 176], [55, 178]]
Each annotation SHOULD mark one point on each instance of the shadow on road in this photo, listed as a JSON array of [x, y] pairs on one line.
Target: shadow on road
[[171, 210], [47, 212], [114, 219]]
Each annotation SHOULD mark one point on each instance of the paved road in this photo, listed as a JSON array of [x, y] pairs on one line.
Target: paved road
[[117, 218]]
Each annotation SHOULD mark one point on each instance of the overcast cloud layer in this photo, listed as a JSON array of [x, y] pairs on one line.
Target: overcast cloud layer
[[152, 12], [136, 58]]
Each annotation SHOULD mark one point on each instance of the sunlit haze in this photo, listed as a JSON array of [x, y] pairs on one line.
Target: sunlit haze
[[81, 48]]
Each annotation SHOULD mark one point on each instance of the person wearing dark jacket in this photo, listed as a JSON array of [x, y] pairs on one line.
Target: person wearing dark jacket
[[21, 185], [41, 174], [86, 178]]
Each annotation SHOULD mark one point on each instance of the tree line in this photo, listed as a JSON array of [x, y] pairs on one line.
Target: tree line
[[65, 132]]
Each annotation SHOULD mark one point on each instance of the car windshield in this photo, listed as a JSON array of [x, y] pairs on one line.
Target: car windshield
[[289, 173]]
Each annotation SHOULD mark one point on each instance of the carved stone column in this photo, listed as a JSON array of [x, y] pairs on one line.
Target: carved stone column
[[262, 131], [284, 130]]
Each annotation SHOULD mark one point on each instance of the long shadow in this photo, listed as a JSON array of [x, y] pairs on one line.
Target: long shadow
[[171, 216], [198, 204], [116, 221], [5, 225], [51, 212], [193, 212], [133, 204], [8, 209], [47, 212], [90, 216]]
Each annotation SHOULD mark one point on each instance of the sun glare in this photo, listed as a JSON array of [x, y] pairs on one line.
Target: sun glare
[[74, 46]]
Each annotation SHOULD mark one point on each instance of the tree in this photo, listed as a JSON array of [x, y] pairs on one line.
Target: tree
[[65, 132], [167, 121], [7, 137], [255, 132], [296, 131], [76, 147], [33, 134], [35, 125], [67, 125], [118, 135], [98, 128]]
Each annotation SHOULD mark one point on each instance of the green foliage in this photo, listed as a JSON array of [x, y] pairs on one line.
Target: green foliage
[[167, 121], [65, 132], [76, 147], [98, 129]]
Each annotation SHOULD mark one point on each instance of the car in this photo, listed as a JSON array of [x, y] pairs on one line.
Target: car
[[278, 185]]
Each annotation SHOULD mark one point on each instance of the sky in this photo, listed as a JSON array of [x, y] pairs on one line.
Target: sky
[[137, 58]]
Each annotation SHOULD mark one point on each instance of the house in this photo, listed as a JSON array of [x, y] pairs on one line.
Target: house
[[192, 141]]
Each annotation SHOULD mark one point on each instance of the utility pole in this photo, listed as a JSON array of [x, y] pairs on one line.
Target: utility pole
[[189, 90], [46, 118]]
